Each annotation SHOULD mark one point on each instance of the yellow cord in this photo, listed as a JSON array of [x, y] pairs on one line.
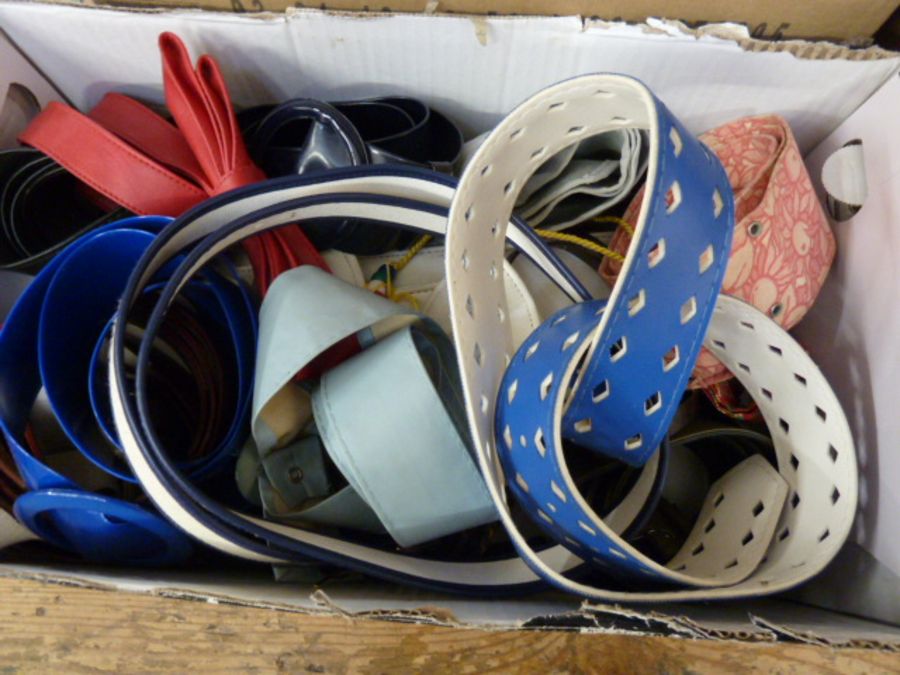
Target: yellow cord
[[387, 287], [615, 220], [581, 241], [412, 252]]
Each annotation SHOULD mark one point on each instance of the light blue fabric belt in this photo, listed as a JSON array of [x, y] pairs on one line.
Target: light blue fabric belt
[[390, 418]]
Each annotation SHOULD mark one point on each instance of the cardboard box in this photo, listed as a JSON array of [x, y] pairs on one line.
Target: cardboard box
[[834, 19], [475, 69]]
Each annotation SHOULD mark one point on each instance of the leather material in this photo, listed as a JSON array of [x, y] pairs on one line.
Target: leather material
[[43, 208], [145, 164], [304, 135], [783, 246], [378, 194], [516, 414], [667, 300], [407, 456], [76, 519], [125, 534]]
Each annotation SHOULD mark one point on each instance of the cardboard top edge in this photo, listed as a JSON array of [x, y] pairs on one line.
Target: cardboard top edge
[[733, 32]]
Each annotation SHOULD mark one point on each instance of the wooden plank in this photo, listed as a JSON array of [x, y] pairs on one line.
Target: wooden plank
[[53, 628]]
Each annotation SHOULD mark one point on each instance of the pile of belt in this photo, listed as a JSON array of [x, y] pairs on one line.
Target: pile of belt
[[493, 418], [371, 457], [81, 494]]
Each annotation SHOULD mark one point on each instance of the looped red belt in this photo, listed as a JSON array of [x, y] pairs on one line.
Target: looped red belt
[[139, 160]]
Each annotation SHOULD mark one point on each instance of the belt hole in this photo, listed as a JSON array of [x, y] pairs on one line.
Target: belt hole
[[634, 442], [546, 385], [677, 143], [707, 258], [601, 392], [718, 204], [688, 310], [673, 197], [618, 349], [653, 403], [656, 253], [539, 442], [671, 358], [637, 302], [583, 426]]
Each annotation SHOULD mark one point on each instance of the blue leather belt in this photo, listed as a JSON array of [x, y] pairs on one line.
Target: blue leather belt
[[611, 375], [56, 508]]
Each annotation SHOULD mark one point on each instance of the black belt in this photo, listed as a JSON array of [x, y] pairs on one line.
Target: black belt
[[305, 135], [43, 208]]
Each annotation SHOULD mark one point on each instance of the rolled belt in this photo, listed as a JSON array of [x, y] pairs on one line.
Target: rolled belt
[[56, 508]]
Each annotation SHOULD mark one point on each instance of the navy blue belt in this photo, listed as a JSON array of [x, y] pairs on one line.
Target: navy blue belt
[[43, 208], [304, 135], [229, 218]]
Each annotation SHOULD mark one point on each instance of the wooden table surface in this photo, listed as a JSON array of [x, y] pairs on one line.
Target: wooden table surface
[[54, 628]]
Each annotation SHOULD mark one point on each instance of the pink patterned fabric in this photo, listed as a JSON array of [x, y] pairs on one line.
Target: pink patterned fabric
[[783, 246]]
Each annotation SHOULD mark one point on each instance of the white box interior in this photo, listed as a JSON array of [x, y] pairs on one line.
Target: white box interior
[[475, 69]]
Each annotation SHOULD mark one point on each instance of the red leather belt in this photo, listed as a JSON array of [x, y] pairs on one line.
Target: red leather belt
[[139, 160]]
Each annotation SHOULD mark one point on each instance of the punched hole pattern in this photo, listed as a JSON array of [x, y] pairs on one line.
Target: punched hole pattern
[[673, 198], [558, 491], [653, 403], [601, 392], [707, 258], [670, 359], [656, 253], [634, 442], [718, 203], [522, 483], [569, 341], [677, 143], [539, 442], [637, 302], [688, 310], [831, 451], [618, 349], [583, 426], [546, 385]]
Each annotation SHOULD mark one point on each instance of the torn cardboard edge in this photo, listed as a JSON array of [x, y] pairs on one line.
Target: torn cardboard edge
[[731, 32], [829, 19], [766, 621]]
